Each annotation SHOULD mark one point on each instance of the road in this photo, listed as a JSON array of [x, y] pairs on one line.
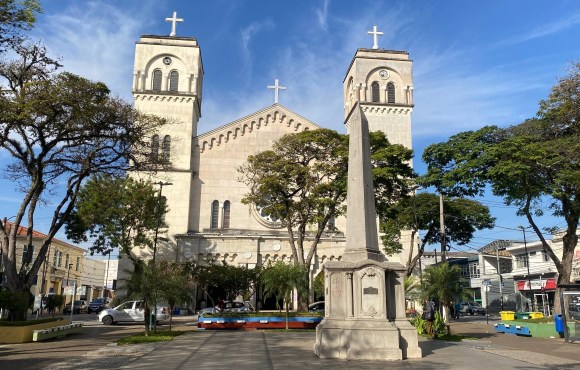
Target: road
[[91, 349]]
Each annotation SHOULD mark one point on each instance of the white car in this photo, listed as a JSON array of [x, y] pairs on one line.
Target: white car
[[131, 311]]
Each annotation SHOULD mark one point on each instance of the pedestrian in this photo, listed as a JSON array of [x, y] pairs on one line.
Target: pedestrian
[[457, 310], [429, 316]]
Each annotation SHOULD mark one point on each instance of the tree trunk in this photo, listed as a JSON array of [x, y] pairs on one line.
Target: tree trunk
[[170, 316], [286, 315], [147, 314]]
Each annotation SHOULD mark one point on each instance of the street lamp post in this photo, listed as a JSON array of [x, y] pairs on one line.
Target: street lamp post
[[72, 302], [161, 185], [528, 265], [153, 319]]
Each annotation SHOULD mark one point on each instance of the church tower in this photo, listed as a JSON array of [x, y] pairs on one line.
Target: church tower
[[167, 82], [381, 81]]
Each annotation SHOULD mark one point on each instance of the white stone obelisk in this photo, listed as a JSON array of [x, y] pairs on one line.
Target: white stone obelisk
[[364, 293]]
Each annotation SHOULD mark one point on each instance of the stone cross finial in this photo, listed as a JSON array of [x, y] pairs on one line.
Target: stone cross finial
[[276, 87], [173, 20], [376, 35]]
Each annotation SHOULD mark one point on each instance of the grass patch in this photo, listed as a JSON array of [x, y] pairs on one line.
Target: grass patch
[[535, 321], [449, 337], [5, 322], [160, 336]]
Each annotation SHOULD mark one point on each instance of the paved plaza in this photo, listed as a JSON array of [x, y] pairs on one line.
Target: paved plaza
[[279, 350]]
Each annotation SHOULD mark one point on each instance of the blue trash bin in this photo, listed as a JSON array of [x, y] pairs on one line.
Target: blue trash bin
[[559, 324]]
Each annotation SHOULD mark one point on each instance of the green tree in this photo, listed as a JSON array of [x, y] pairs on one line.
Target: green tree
[[280, 280], [144, 284], [302, 183], [175, 286], [421, 213], [58, 129], [116, 212], [16, 16], [442, 282], [54, 302], [15, 302], [534, 166]]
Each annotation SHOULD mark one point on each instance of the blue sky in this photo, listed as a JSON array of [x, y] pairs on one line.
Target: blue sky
[[475, 62]]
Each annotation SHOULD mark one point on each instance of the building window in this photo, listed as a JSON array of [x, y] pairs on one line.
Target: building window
[[331, 224], [226, 223], [55, 258], [173, 80], [78, 264], [155, 148], [215, 210], [66, 263], [521, 260], [59, 259], [546, 256], [157, 75], [391, 93], [474, 269], [166, 148], [27, 252], [375, 92]]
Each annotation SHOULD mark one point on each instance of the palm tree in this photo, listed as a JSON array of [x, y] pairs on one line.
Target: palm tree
[[442, 281], [280, 279]]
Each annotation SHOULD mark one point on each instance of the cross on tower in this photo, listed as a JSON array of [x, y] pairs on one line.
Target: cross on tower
[[376, 35], [276, 87], [173, 20]]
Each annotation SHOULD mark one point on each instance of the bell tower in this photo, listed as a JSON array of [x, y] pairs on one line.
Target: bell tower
[[381, 81], [167, 82]]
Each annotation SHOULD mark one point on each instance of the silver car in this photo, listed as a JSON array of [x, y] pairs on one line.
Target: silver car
[[131, 311]]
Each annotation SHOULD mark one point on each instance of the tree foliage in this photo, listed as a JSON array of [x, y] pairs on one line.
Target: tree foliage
[[421, 213], [58, 129], [16, 16], [175, 288], [534, 166], [302, 181], [116, 212], [442, 282], [280, 280]]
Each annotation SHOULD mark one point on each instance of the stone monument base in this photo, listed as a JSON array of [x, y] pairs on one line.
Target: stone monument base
[[357, 339]]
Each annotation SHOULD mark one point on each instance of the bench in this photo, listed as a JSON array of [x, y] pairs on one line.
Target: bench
[[512, 329], [56, 332]]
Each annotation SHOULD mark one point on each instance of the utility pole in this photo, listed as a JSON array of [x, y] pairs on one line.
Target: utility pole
[[528, 265], [442, 227], [499, 273], [153, 320], [72, 302]]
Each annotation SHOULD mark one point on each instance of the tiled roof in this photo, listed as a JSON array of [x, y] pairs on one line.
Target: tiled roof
[[23, 232]]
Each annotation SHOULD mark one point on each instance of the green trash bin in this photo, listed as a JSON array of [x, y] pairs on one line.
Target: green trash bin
[[522, 315]]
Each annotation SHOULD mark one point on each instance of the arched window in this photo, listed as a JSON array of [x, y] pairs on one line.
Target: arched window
[[391, 93], [157, 75], [166, 148], [215, 210], [155, 148], [226, 222], [173, 81], [375, 92]]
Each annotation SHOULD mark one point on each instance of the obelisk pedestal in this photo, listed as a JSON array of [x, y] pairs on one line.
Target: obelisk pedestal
[[365, 297]]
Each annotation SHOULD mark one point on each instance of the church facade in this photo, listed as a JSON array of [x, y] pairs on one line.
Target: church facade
[[206, 218]]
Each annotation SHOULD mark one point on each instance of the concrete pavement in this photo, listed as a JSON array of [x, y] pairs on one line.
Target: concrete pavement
[[279, 350]]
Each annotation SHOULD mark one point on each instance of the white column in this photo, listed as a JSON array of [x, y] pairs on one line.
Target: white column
[[190, 85], [136, 76], [143, 82], [384, 94], [164, 81], [410, 94], [364, 91]]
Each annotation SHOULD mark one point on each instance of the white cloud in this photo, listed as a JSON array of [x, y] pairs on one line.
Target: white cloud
[[95, 39], [322, 15], [544, 30]]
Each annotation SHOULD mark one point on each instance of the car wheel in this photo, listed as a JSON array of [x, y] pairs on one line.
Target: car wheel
[[107, 320], [89, 311], [471, 312]]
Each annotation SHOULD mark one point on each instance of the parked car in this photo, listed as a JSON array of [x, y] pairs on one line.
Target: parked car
[[574, 311], [131, 311], [79, 307], [98, 304], [237, 306], [471, 308], [316, 307], [208, 310]]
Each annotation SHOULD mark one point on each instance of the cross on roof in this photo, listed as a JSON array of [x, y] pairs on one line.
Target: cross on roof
[[376, 35], [276, 87], [173, 20]]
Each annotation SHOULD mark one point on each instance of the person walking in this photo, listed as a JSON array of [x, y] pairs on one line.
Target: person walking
[[457, 310], [429, 316]]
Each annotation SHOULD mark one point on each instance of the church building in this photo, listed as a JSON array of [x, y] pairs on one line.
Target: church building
[[206, 218]]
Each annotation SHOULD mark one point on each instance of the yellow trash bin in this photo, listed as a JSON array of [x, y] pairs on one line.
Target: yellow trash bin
[[507, 315], [536, 315]]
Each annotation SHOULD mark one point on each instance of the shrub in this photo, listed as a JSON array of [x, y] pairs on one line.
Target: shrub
[[17, 304]]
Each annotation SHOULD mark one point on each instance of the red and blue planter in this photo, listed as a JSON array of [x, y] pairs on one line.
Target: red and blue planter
[[257, 322]]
